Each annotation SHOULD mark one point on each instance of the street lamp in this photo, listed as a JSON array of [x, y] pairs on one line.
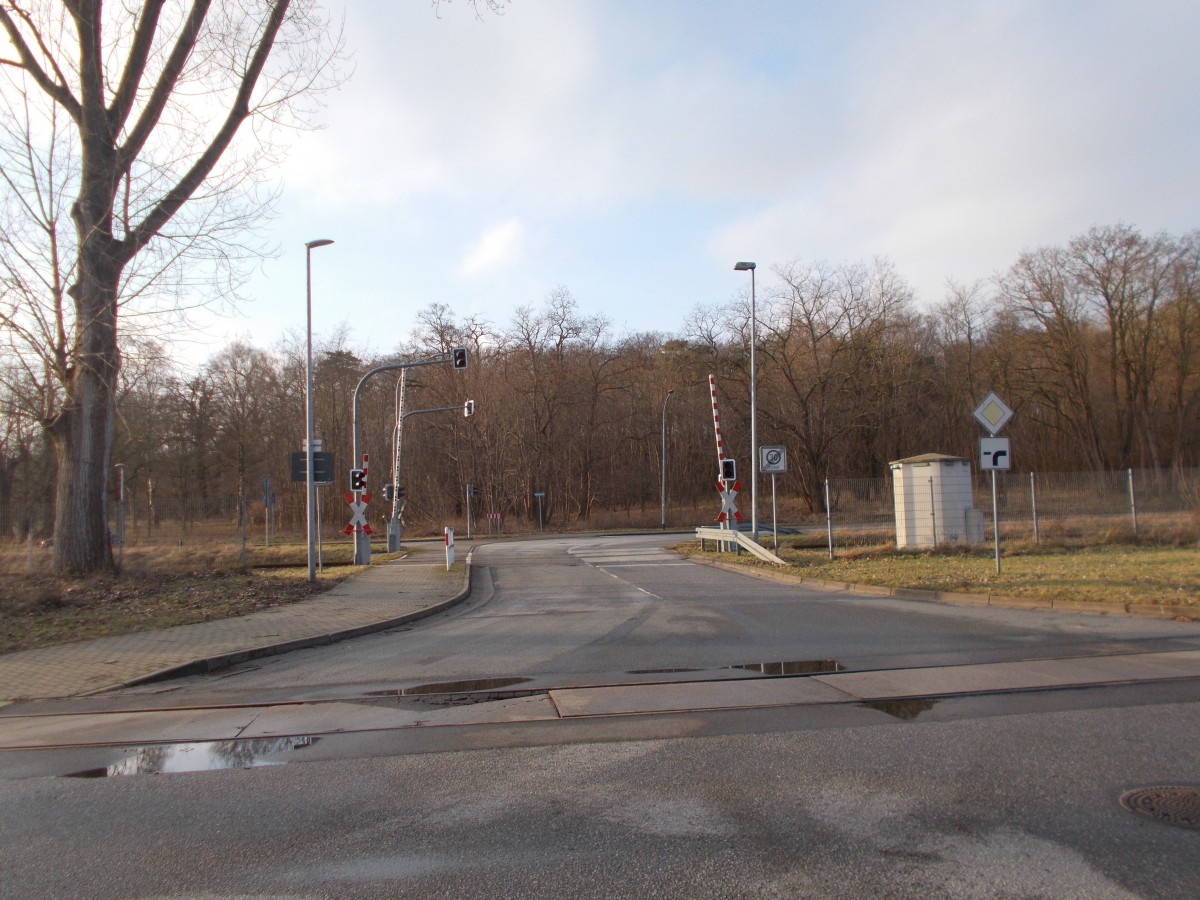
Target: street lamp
[[310, 507], [664, 458], [749, 267]]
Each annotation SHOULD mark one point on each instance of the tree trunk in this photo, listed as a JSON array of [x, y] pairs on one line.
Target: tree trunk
[[83, 440], [82, 431]]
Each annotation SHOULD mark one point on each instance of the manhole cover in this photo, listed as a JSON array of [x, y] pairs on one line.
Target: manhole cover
[[1173, 805]]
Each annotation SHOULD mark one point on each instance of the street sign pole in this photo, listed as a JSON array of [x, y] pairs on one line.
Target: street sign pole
[[774, 516], [993, 414], [995, 522], [773, 461]]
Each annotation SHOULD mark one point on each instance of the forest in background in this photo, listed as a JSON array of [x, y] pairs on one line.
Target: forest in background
[[1095, 344]]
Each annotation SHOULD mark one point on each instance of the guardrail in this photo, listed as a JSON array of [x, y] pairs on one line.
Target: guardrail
[[723, 536]]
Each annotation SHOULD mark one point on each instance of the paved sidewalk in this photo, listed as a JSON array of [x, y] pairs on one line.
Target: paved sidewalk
[[381, 597]]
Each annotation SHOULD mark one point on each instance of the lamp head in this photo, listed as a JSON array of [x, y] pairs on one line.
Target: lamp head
[[744, 267], [319, 242]]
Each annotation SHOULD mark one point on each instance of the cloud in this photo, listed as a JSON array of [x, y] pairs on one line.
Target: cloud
[[969, 133], [497, 247], [633, 152]]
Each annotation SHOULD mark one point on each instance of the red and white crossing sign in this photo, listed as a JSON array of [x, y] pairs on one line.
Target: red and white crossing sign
[[357, 499], [728, 507], [358, 514]]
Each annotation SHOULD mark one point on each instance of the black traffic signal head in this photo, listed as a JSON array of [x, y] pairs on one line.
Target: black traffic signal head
[[458, 357], [469, 409], [728, 470]]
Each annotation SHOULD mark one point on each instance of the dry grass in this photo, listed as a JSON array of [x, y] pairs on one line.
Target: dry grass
[[157, 588], [1164, 572]]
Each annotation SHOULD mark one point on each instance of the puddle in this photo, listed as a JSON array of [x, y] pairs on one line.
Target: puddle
[[201, 756], [901, 709], [794, 667], [458, 687]]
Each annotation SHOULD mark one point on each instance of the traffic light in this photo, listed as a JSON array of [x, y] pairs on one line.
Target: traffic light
[[358, 479], [388, 493], [458, 357], [728, 470], [468, 409]]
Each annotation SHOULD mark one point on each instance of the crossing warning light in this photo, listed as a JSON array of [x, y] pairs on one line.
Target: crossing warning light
[[458, 357], [728, 470]]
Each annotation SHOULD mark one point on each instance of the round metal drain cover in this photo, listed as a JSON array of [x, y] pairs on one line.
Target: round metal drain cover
[[1173, 805]]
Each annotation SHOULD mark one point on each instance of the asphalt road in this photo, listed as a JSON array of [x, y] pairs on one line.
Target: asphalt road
[[1013, 804], [584, 609], [1010, 794]]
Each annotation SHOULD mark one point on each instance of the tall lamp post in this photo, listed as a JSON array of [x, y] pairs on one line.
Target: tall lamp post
[[664, 458], [749, 267], [310, 493]]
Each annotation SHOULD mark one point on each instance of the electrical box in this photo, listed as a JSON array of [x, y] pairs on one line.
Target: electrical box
[[934, 503]]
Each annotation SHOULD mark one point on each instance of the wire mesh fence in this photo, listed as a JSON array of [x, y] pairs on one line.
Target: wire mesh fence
[[1037, 506], [1040, 506], [181, 522]]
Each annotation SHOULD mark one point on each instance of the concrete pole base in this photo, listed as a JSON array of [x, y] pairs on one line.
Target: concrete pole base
[[362, 549]]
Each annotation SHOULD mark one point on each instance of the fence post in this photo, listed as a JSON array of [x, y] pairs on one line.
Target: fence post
[[933, 512], [828, 519], [242, 522], [320, 546], [1133, 503], [1033, 505]]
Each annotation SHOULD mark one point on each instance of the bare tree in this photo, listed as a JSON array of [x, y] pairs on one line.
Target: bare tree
[[1127, 279], [1181, 322], [129, 180], [1059, 363]]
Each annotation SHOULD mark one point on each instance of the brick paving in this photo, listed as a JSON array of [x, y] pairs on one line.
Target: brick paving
[[371, 600]]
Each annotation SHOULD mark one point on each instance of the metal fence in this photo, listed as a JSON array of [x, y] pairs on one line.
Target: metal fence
[[1037, 506], [179, 522]]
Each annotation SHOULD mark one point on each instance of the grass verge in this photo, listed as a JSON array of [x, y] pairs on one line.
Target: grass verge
[[1126, 574], [157, 588]]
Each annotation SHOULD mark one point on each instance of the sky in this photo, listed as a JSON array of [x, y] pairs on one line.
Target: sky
[[631, 151]]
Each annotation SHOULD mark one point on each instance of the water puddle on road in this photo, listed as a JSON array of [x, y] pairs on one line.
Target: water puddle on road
[[200, 756], [794, 667], [901, 709], [454, 687]]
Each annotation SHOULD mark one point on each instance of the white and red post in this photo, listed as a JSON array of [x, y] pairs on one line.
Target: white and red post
[[727, 488]]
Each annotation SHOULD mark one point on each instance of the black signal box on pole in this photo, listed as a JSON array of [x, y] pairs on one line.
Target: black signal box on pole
[[728, 470]]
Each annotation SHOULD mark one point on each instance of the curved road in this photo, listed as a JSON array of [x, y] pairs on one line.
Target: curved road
[[998, 794], [594, 608]]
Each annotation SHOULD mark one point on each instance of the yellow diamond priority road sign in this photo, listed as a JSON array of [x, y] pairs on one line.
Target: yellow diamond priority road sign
[[993, 413]]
